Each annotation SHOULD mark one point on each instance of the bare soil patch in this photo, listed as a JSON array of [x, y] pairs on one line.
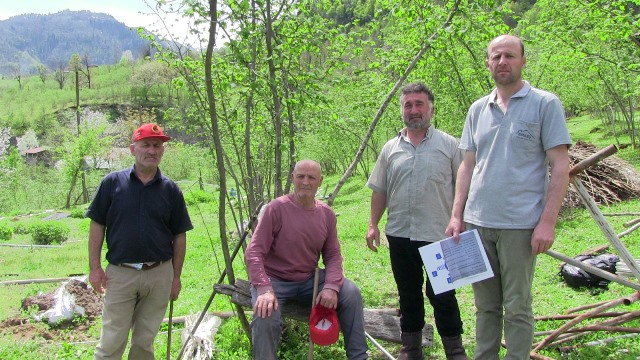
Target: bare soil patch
[[67, 330]]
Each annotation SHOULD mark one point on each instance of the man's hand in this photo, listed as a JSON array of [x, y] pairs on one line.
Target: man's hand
[[265, 304], [455, 227], [543, 237], [176, 286], [98, 280], [327, 298], [373, 238]]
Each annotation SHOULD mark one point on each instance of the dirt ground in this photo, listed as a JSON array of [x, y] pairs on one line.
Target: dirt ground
[[70, 331]]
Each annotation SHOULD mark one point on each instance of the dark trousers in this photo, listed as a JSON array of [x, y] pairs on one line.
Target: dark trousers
[[408, 271]]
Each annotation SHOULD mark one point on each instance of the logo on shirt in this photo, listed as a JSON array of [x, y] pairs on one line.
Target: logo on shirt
[[524, 135]]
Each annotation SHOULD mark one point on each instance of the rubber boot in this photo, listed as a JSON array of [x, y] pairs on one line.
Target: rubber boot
[[411, 346], [453, 348]]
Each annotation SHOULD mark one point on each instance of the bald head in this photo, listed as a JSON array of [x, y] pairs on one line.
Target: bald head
[[503, 40], [307, 164]]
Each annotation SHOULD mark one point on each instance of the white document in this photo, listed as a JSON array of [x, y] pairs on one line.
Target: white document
[[450, 265]]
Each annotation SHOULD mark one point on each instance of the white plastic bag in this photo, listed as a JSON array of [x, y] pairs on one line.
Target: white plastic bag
[[64, 307]]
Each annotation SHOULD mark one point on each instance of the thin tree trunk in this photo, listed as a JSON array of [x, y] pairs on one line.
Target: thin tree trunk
[[253, 197], [73, 185], [277, 103], [426, 46], [211, 99]]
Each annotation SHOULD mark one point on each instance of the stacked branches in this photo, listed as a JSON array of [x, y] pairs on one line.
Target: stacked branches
[[609, 181]]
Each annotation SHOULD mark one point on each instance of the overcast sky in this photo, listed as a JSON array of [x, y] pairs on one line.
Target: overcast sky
[[133, 13], [126, 11]]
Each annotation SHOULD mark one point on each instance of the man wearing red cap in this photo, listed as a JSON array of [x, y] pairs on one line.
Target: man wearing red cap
[[281, 259], [145, 220]]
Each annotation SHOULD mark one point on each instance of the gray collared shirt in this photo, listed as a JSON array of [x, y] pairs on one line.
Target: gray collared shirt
[[510, 179], [418, 183]]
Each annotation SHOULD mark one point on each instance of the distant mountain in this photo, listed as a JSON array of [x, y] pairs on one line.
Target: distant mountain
[[33, 39]]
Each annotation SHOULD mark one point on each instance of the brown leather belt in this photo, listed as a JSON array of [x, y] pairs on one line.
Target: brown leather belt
[[142, 266]]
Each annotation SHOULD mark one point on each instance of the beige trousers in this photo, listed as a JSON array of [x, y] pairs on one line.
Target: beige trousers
[[136, 301]]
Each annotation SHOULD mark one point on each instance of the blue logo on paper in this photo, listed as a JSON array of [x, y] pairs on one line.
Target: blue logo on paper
[[438, 256], [434, 273], [449, 280]]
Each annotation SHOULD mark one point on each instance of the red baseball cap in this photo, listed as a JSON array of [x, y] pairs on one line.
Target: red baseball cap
[[149, 131], [323, 325]]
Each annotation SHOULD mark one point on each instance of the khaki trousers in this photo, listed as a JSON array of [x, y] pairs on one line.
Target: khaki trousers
[[505, 298], [134, 300]]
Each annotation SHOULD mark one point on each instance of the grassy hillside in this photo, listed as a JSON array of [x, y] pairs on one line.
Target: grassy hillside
[[577, 231], [40, 106]]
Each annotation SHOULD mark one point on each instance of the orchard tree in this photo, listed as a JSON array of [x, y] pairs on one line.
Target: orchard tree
[[5, 136], [60, 75], [598, 41], [43, 72], [27, 141], [90, 142], [151, 75], [16, 73]]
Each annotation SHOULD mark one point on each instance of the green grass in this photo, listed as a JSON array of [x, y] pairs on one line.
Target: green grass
[[576, 232]]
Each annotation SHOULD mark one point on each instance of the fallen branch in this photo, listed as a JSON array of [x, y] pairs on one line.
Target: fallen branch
[[32, 246], [632, 222], [34, 281], [629, 230], [220, 314], [593, 328], [593, 270], [597, 342], [611, 322], [623, 214], [573, 316], [584, 316]]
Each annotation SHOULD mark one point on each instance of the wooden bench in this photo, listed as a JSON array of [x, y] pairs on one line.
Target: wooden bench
[[382, 324]]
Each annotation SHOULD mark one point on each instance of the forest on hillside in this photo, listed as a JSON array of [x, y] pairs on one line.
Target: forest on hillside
[[31, 41], [277, 81]]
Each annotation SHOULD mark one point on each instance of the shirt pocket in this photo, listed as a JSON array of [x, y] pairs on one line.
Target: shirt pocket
[[439, 168], [525, 136]]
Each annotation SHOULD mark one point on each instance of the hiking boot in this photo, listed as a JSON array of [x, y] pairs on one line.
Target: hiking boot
[[411, 346], [453, 348]]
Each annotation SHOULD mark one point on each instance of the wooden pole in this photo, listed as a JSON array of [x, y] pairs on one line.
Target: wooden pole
[[578, 319], [316, 278], [632, 222], [33, 281], [566, 349], [593, 270], [611, 322], [629, 230], [377, 344], [591, 205], [593, 159], [169, 330], [33, 246]]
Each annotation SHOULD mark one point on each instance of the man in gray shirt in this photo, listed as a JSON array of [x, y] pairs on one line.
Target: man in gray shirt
[[414, 178], [511, 137]]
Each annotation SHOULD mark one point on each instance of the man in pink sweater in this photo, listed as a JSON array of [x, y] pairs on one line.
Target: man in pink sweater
[[293, 232]]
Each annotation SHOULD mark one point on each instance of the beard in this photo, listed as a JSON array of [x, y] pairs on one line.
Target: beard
[[419, 125]]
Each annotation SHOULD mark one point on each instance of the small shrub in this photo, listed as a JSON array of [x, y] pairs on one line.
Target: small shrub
[[5, 232], [77, 213], [21, 229], [46, 233], [197, 196]]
